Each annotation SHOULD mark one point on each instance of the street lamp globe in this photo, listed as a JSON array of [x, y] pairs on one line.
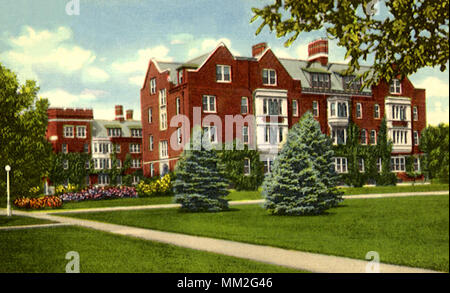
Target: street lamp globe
[[7, 168]]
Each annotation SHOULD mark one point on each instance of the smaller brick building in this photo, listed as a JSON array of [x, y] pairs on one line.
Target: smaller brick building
[[74, 130]]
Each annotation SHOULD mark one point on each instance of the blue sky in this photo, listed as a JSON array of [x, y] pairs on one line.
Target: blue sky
[[98, 58]]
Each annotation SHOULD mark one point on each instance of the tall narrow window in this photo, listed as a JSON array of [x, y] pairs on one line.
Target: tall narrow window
[[295, 108], [64, 148], [363, 136], [150, 115], [179, 137], [150, 143], [81, 131], [280, 134], [247, 170], [376, 111], [153, 86], [315, 107], [415, 113], [245, 134], [86, 148], [361, 164], [416, 138], [163, 149], [358, 110], [373, 137], [178, 105], [244, 105]]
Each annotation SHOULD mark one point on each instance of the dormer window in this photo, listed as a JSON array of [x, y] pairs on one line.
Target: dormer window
[[114, 132], [320, 80], [223, 73], [350, 82], [395, 87], [269, 77]]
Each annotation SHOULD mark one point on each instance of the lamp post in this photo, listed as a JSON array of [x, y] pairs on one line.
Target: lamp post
[[8, 206]]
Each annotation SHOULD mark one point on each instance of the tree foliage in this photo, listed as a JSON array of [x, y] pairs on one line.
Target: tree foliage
[[23, 123], [200, 183], [414, 33], [233, 160], [434, 142], [303, 180], [76, 171]]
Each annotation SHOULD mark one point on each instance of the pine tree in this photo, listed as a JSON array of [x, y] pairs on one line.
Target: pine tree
[[303, 180], [200, 183]]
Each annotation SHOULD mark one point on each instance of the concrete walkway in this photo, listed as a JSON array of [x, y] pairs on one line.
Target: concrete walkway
[[311, 262], [32, 226]]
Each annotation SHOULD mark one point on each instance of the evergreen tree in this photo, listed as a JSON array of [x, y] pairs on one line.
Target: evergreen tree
[[200, 183], [303, 180], [387, 177]]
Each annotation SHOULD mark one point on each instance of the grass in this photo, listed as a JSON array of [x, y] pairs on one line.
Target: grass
[[410, 231], [20, 221], [43, 251]]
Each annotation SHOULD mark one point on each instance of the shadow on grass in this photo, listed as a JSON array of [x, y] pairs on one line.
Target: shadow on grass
[[230, 210]]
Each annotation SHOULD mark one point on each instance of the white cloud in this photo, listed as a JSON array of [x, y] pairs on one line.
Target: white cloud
[[61, 98], [137, 80], [93, 74], [181, 39], [203, 46], [282, 53], [434, 87], [53, 51], [438, 115], [139, 63]]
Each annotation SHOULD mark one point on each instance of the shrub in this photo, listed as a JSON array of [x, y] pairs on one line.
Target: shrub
[[158, 187], [61, 189], [303, 180], [38, 203]]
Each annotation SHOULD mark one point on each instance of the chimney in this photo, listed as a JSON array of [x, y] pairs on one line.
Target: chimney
[[129, 114], [258, 49], [318, 51], [119, 113]]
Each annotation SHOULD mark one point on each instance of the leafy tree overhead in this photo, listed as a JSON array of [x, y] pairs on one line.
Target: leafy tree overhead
[[303, 180], [413, 34], [23, 123], [434, 142]]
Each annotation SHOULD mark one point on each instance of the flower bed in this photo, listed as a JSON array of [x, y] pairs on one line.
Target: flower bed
[[159, 187], [98, 193], [38, 202]]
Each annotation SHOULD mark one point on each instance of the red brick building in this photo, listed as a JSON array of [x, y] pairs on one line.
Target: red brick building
[[73, 130], [276, 92]]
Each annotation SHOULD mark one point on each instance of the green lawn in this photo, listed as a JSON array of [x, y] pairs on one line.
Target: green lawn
[[43, 250], [20, 221], [411, 231]]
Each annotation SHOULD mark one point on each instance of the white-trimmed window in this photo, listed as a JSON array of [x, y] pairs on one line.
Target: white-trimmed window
[[244, 105], [223, 73], [268, 165], [315, 108], [358, 110], [295, 108], [162, 97], [117, 148], [270, 134], [415, 113], [416, 137], [363, 136], [361, 165], [81, 131], [340, 164], [280, 134], [135, 163], [376, 111], [87, 164], [210, 133], [163, 149], [320, 80], [114, 132], [103, 179], [247, 169], [163, 109], [395, 87], [152, 170], [416, 164], [400, 137], [163, 121], [136, 132], [153, 86], [245, 137], [399, 112], [373, 137], [398, 164], [135, 148], [135, 180], [64, 148], [269, 77], [68, 131], [339, 135], [209, 104], [119, 163], [272, 107], [150, 142], [150, 115], [379, 165]]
